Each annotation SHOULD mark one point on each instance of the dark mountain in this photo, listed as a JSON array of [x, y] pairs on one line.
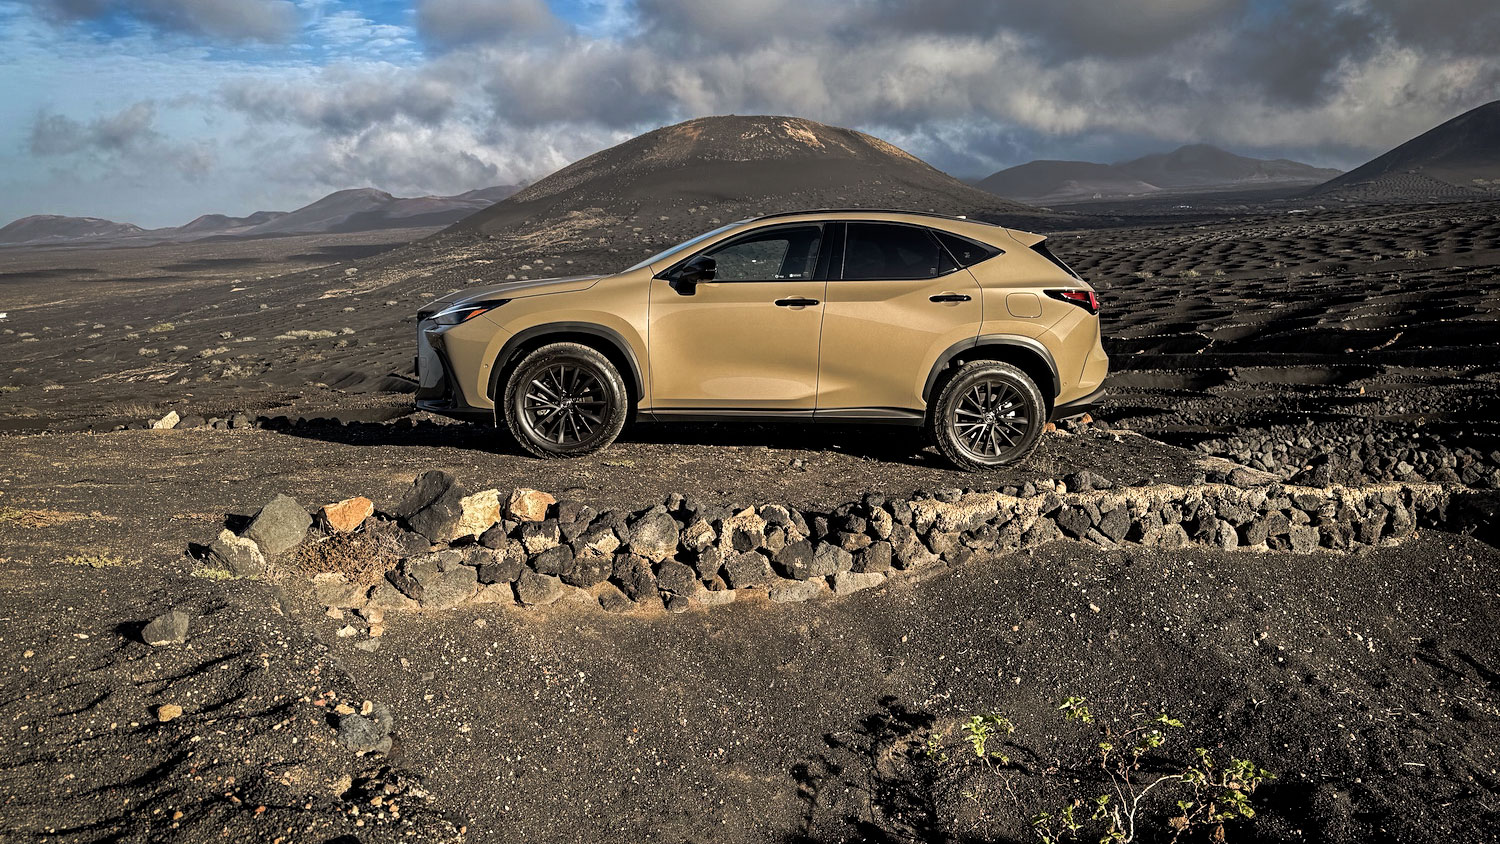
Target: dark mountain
[[1059, 181], [1201, 166], [221, 224], [1458, 159], [1193, 168], [361, 209], [684, 179], [367, 209], [51, 228]]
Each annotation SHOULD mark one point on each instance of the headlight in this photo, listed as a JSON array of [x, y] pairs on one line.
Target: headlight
[[466, 311]]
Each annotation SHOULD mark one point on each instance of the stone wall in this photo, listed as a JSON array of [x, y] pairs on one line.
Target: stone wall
[[527, 548]]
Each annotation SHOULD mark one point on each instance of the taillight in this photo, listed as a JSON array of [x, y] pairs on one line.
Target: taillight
[[1086, 299]]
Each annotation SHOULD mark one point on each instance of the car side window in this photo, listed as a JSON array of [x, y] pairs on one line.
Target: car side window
[[781, 253], [887, 251]]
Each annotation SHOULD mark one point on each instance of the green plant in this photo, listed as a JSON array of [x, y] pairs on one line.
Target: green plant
[[978, 731], [1203, 793]]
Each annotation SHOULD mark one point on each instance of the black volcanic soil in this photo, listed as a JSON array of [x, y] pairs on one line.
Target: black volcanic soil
[[1365, 681], [1369, 683]]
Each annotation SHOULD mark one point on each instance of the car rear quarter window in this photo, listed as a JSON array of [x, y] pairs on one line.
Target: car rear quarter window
[[966, 252], [891, 251]]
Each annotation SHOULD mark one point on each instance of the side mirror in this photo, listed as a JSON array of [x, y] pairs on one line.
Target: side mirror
[[701, 268]]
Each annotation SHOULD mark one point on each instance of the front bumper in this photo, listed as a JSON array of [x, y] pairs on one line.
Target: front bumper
[[437, 389]]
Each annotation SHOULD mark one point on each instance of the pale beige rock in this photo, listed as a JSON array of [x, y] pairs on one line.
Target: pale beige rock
[[167, 422], [749, 528], [344, 516], [168, 712], [480, 511], [494, 593], [529, 505], [850, 581]]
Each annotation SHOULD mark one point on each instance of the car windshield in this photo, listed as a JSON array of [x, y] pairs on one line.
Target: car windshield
[[683, 245]]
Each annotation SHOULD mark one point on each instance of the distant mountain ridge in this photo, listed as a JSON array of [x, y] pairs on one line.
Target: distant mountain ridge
[[1454, 160], [1191, 168], [51, 228], [354, 210]]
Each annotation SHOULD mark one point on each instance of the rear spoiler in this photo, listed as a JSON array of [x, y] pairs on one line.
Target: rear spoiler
[[1026, 239]]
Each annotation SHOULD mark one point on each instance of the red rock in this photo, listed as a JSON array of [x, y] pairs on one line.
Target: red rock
[[529, 505], [344, 516]]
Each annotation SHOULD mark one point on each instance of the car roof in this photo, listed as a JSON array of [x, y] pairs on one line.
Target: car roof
[[977, 229]]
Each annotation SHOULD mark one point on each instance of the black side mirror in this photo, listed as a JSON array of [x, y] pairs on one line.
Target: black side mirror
[[701, 268]]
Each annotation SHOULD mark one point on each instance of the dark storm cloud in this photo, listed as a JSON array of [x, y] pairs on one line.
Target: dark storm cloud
[[973, 85], [451, 23], [345, 101], [129, 135], [131, 128], [1469, 27], [230, 20]]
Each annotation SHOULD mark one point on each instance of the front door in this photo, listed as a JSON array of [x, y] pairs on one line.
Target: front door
[[896, 301], [748, 340]]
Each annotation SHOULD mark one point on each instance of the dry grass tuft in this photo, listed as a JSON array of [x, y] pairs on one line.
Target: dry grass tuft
[[95, 560], [306, 334], [362, 557], [32, 519]]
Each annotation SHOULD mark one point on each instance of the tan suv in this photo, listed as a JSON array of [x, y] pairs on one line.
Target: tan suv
[[974, 330]]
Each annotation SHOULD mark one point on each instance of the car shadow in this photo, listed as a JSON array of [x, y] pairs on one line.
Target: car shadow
[[884, 443]]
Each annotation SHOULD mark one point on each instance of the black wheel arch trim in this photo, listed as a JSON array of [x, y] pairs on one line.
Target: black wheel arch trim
[[1013, 340], [604, 332]]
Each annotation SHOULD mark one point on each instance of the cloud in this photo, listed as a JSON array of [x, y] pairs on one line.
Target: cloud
[[128, 136], [346, 99], [456, 94], [452, 23], [229, 20]]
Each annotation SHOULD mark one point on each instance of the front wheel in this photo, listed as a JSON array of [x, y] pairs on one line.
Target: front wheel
[[988, 414], [565, 400]]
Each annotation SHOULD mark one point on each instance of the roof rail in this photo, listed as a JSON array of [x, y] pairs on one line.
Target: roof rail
[[873, 211]]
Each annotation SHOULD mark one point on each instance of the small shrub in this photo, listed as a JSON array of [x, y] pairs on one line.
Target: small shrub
[[147, 353], [362, 557], [1413, 254], [1144, 274], [1189, 274], [160, 328], [1205, 794]]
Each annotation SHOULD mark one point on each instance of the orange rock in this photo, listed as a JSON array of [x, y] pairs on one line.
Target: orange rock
[[346, 515], [529, 505], [168, 712]]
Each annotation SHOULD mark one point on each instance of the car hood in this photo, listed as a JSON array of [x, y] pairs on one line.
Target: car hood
[[509, 290]]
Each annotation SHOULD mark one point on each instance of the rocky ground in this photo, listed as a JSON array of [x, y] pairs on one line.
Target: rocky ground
[[1339, 348]]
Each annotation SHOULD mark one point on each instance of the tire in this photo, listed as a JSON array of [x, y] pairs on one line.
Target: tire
[[964, 430], [575, 381]]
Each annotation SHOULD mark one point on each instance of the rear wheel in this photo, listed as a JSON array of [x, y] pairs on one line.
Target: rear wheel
[[988, 414], [565, 400]]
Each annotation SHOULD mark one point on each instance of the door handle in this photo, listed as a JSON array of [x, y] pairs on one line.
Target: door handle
[[795, 303], [949, 297]]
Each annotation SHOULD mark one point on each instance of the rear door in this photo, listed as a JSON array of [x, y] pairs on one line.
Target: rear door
[[896, 299], [748, 340]]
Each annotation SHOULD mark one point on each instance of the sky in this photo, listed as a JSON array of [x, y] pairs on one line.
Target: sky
[[155, 111]]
